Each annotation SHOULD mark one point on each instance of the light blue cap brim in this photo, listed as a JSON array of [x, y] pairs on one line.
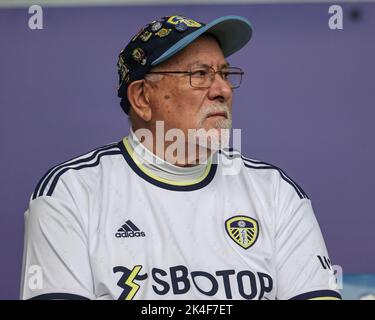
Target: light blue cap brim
[[233, 32]]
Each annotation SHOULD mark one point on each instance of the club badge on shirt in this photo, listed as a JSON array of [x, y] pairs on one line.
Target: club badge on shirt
[[242, 230]]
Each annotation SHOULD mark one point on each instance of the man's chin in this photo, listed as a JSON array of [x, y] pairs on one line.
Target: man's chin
[[216, 122]]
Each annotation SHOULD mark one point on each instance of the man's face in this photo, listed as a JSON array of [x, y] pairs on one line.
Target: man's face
[[182, 106]]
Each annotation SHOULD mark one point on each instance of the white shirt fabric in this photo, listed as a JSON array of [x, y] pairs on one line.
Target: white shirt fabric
[[111, 225]]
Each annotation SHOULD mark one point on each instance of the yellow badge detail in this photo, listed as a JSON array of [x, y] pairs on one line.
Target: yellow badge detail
[[242, 230], [189, 22], [129, 281], [163, 32], [145, 36], [123, 69]]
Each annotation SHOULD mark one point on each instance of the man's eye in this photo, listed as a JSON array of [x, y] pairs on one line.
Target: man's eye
[[199, 73]]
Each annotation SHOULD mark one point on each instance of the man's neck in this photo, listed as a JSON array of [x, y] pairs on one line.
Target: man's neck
[[161, 168], [181, 154]]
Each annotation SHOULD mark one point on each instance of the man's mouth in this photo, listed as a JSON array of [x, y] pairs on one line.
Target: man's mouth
[[218, 114]]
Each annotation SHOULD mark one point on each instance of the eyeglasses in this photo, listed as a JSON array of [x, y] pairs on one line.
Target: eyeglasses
[[203, 77]]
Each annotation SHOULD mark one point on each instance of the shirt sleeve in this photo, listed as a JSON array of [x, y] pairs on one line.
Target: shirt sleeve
[[303, 267], [55, 260]]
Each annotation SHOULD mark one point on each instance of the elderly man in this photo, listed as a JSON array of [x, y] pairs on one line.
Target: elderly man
[[161, 214]]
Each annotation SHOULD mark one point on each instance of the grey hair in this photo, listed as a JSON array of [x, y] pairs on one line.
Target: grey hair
[[153, 77]]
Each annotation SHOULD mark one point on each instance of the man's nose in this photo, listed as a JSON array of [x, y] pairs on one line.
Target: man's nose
[[220, 89]]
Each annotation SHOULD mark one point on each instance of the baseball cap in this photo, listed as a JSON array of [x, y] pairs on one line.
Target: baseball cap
[[163, 38]]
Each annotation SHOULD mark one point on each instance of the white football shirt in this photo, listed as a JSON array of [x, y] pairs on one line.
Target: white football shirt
[[108, 225]]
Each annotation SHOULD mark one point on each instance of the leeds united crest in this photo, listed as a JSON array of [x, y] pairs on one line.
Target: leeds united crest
[[242, 230]]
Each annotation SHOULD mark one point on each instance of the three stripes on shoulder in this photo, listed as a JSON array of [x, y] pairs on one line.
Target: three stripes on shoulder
[[48, 182], [256, 164]]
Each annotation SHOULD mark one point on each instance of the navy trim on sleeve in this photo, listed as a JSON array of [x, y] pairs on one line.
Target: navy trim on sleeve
[[60, 296], [317, 294]]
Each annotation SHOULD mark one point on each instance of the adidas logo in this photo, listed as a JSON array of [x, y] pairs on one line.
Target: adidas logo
[[129, 230]]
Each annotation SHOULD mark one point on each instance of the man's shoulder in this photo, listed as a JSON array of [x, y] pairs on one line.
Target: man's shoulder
[[76, 168], [263, 172]]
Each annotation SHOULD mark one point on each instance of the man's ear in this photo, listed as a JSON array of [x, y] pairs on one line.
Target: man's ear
[[139, 100]]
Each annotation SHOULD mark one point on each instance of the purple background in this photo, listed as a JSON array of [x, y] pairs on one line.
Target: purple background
[[306, 105]]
